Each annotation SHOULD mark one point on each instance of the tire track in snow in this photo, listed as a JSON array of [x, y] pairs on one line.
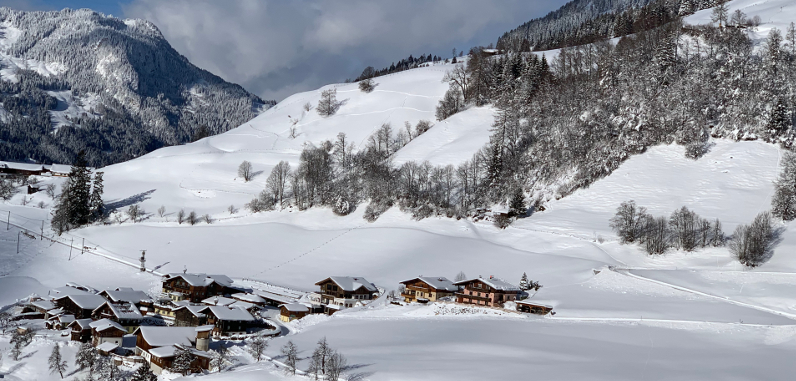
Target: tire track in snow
[[700, 293], [308, 252]]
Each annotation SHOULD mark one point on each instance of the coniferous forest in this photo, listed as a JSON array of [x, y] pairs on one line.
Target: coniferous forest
[[563, 124]]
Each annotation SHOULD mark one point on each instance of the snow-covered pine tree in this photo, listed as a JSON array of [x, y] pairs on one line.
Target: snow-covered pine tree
[[779, 120], [182, 360], [143, 373], [783, 203], [96, 204], [517, 204], [73, 208], [86, 357], [56, 363], [524, 286]]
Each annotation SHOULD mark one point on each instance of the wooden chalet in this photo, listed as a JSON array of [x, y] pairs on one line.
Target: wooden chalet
[[126, 314], [292, 311], [345, 291], [21, 169], [189, 316], [196, 287], [158, 345], [106, 331], [249, 298], [229, 321], [489, 292], [128, 295], [81, 330], [427, 289], [82, 306], [59, 322], [534, 307]]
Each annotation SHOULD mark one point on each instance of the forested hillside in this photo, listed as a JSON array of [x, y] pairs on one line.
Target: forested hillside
[[76, 80], [586, 21]]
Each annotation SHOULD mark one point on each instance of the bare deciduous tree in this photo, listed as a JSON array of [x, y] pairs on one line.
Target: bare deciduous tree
[[162, 211], [245, 170], [328, 104], [290, 351], [278, 180], [181, 216], [257, 347], [193, 218]]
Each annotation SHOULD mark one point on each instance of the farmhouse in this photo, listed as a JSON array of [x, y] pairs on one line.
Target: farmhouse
[[249, 298], [126, 314], [196, 287], [81, 330], [271, 299], [80, 305], [534, 307], [292, 311], [345, 291], [106, 331], [158, 345], [427, 289], [229, 321], [491, 292], [23, 169], [59, 322], [189, 316], [128, 295]]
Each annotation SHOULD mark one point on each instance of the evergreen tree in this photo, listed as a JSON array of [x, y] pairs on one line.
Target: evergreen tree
[[143, 373], [56, 362], [524, 285], [182, 360], [517, 205], [783, 203], [779, 120], [86, 358], [96, 203], [74, 208]]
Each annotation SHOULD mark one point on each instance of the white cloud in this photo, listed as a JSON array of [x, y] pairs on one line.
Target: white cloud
[[274, 48]]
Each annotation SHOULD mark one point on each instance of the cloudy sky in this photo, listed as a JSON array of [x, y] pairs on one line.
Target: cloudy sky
[[275, 48]]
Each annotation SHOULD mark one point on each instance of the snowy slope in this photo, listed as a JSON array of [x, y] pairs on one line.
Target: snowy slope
[[619, 313]]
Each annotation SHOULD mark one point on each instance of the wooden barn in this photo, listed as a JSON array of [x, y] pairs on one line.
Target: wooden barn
[[533, 307], [426, 289], [196, 287]]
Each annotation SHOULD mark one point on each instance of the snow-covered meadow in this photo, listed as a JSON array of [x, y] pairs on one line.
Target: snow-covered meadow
[[620, 314]]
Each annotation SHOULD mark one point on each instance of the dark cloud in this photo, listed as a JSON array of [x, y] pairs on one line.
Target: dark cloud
[[276, 48]]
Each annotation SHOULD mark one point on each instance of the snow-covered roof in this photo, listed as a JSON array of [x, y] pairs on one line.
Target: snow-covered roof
[[86, 302], [295, 307], [229, 314], [66, 319], [198, 280], [105, 324], [494, 282], [195, 310], [66, 291], [163, 336], [125, 294], [218, 301], [123, 311], [538, 303], [205, 328], [22, 166], [170, 351], [56, 311], [59, 168], [82, 323], [276, 297], [438, 282], [43, 304], [244, 305], [351, 283], [107, 346], [251, 298]]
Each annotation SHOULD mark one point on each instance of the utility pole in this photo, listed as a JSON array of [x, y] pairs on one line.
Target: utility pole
[[8, 221], [143, 261], [18, 233], [70, 248], [41, 237], [83, 247]]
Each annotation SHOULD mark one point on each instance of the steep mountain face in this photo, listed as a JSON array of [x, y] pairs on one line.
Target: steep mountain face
[[585, 21], [78, 80]]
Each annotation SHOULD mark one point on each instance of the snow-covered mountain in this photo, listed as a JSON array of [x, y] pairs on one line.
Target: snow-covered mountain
[[620, 314], [112, 87]]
